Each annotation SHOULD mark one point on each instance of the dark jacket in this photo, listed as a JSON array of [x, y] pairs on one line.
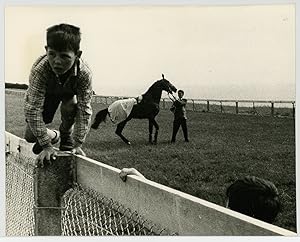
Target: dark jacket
[[178, 109]]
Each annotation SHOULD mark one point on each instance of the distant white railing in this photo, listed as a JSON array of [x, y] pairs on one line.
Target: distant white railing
[[255, 107]]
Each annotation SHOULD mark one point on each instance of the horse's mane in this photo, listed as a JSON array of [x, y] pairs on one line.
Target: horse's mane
[[150, 89], [152, 93]]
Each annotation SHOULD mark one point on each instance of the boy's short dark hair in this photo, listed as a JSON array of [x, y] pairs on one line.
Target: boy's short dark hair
[[254, 197], [64, 37], [180, 91]]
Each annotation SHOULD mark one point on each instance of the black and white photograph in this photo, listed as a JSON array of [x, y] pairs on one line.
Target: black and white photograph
[[150, 120]]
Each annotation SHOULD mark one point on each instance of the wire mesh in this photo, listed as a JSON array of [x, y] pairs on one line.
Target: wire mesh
[[84, 212], [19, 195], [89, 213]]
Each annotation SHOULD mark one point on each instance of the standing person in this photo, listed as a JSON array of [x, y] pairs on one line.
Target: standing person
[[180, 117], [59, 76]]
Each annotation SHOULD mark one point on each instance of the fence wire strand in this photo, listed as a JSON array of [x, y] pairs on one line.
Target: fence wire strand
[[89, 213], [19, 195]]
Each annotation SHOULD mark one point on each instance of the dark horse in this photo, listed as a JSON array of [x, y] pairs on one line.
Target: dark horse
[[148, 108]]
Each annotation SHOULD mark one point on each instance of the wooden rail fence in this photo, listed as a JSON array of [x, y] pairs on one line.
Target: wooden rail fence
[[206, 105]]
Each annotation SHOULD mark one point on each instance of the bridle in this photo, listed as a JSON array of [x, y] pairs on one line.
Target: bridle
[[173, 98], [170, 91]]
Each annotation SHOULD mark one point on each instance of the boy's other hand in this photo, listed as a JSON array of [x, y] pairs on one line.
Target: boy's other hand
[[129, 171], [78, 151], [46, 154]]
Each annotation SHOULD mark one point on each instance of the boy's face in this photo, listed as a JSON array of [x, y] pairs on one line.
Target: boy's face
[[60, 61], [180, 94]]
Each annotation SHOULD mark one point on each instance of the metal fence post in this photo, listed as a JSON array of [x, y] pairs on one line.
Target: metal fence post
[[50, 183], [207, 106], [293, 110], [272, 108], [236, 107], [221, 107]]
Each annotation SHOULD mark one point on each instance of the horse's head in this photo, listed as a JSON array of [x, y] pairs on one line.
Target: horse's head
[[166, 85], [154, 92]]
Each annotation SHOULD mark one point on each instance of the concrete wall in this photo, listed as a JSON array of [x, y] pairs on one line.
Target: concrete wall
[[171, 209]]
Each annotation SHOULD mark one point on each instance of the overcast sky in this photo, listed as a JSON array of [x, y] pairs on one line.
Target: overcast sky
[[221, 52]]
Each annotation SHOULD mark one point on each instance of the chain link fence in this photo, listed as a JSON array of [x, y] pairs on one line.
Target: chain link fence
[[89, 213], [19, 195], [84, 211]]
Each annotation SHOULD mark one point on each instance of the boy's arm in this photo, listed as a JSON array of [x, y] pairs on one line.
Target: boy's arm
[[181, 102], [34, 101], [83, 117], [130, 171]]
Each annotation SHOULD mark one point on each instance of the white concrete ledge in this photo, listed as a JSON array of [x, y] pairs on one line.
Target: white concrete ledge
[[171, 209], [177, 211]]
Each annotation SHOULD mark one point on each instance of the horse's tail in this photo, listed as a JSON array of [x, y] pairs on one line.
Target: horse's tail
[[100, 117]]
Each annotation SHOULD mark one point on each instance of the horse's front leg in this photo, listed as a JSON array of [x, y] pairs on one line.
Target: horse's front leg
[[150, 131], [156, 131]]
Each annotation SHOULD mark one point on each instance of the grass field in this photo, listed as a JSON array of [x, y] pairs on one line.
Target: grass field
[[222, 148]]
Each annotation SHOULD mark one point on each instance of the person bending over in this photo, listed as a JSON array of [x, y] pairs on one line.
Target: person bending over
[[252, 196], [255, 197], [59, 77]]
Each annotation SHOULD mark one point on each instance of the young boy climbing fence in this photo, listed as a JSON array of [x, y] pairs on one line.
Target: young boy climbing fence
[[59, 77]]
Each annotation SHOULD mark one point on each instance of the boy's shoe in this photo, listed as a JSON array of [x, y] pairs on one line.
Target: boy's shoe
[[66, 143], [36, 149]]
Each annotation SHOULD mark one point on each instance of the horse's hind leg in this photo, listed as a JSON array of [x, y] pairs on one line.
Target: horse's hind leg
[[119, 130], [150, 131]]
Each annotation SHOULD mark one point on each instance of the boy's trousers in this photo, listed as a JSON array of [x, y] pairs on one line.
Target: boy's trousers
[[68, 109], [176, 125]]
